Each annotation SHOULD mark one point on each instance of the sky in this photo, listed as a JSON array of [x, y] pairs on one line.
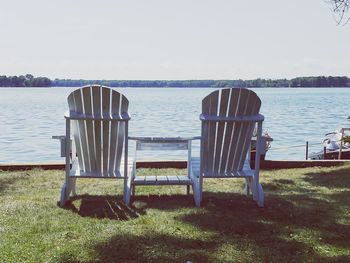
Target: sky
[[172, 39]]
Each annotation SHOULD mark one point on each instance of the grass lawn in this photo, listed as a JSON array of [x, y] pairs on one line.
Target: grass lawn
[[306, 219]]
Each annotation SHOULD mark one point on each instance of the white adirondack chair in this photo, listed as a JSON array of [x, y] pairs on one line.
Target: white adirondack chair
[[99, 120], [229, 117]]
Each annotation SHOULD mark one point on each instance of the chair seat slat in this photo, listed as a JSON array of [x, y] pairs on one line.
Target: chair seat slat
[[162, 180]]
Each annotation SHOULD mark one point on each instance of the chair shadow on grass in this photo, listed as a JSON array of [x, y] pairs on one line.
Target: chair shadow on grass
[[113, 207], [6, 182], [149, 247], [281, 222], [163, 202], [291, 211], [338, 178], [234, 222], [294, 226], [106, 206]]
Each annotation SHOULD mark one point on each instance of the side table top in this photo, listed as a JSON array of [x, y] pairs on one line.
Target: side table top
[[163, 139]]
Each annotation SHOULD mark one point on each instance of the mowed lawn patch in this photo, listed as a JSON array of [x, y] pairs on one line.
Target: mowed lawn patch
[[306, 218]]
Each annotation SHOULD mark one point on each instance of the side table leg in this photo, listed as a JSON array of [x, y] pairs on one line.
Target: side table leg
[[188, 189], [133, 190]]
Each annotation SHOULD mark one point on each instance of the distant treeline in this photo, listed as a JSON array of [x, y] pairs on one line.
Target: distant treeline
[[259, 83], [321, 81], [24, 81]]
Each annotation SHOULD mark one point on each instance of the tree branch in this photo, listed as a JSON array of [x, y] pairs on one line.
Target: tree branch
[[340, 9]]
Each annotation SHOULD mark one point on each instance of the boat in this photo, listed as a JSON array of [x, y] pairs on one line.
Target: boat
[[266, 145], [336, 145]]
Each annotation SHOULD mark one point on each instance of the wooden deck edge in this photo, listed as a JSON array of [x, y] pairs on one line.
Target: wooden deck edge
[[265, 165]]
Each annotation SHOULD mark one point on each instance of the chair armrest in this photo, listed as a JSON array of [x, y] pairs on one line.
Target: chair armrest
[[62, 139], [251, 118], [163, 139], [105, 117]]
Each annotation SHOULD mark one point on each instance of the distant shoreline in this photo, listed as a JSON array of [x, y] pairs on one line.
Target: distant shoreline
[[300, 82], [183, 88]]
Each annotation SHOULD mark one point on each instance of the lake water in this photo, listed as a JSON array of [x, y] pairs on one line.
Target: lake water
[[30, 116]]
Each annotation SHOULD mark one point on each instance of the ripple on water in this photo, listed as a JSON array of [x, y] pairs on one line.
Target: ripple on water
[[29, 117]]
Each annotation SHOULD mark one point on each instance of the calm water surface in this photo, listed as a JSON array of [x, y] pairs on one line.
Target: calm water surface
[[30, 116]]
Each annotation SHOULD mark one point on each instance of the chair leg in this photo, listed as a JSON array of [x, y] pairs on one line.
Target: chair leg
[[260, 201], [247, 187], [196, 196], [196, 191], [200, 187], [72, 186], [64, 195], [188, 190], [196, 187], [127, 191], [129, 187], [68, 188], [258, 193]]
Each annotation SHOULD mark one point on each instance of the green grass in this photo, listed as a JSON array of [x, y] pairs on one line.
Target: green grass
[[306, 219]]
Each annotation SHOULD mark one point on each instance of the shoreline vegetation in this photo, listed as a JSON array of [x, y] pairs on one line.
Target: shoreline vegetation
[[29, 80]]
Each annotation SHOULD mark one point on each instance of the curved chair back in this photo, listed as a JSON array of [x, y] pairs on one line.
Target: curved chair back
[[99, 137], [225, 139]]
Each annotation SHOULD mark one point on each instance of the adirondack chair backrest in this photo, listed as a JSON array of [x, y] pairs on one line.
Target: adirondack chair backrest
[[99, 143], [225, 143]]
